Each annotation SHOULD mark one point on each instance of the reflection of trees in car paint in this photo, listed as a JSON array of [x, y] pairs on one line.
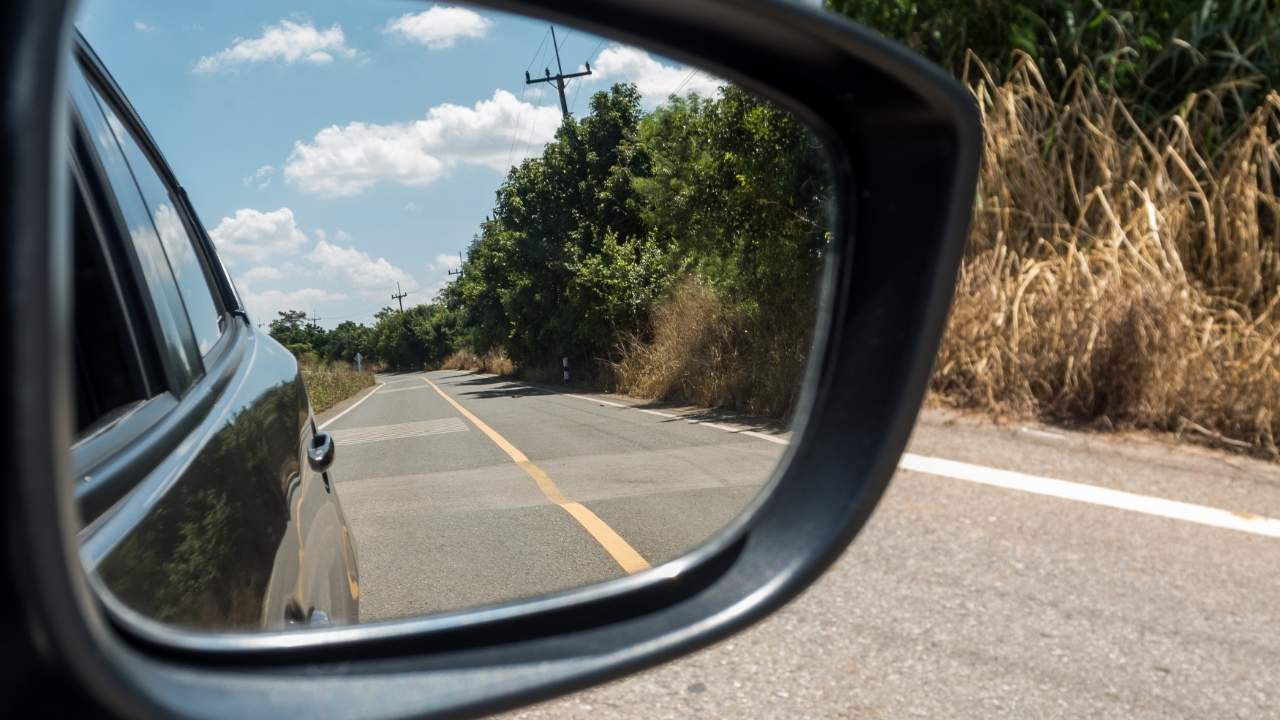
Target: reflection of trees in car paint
[[220, 549], [194, 561]]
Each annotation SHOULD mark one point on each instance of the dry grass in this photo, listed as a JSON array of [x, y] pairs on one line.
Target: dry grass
[[494, 361], [328, 384], [704, 353], [1117, 276]]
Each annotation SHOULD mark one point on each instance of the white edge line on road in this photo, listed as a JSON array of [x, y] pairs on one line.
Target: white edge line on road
[[1118, 499], [354, 405], [1037, 485], [610, 403]]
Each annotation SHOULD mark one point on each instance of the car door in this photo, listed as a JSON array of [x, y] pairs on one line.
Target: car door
[[200, 505]]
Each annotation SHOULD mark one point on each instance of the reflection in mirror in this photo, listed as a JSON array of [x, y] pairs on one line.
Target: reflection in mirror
[[551, 297]]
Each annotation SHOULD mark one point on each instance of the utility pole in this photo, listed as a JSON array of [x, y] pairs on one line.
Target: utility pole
[[399, 296], [559, 77], [459, 270]]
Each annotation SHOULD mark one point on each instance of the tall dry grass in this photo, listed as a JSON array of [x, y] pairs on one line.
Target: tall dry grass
[[702, 352], [330, 383], [1118, 275], [494, 361]]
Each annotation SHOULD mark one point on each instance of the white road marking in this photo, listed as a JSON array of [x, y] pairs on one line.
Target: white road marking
[[416, 388], [708, 423], [1037, 485], [766, 436], [610, 403], [1092, 494], [1043, 434], [354, 405], [401, 431]]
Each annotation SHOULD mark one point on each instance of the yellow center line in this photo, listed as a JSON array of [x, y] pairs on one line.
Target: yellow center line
[[613, 543]]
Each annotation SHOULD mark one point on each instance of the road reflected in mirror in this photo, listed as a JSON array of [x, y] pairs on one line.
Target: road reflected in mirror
[[490, 308]]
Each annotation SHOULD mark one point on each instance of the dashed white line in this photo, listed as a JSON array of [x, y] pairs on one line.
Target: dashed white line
[[400, 431], [416, 388]]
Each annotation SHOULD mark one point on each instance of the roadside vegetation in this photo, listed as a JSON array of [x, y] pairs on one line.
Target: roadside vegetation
[[330, 383], [1123, 268]]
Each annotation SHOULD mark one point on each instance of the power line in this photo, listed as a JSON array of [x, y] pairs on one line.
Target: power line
[[594, 52], [597, 48], [519, 126], [540, 46], [515, 126], [560, 75], [687, 78], [539, 57], [527, 143]]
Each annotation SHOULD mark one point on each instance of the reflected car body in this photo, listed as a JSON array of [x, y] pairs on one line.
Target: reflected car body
[[200, 504]]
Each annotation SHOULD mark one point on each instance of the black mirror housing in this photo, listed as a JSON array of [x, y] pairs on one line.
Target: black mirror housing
[[904, 141]]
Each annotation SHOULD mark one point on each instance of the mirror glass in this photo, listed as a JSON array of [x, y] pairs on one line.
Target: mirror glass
[[550, 298]]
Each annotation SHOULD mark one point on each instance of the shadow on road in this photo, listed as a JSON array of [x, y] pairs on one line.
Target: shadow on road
[[717, 415], [507, 392], [514, 388]]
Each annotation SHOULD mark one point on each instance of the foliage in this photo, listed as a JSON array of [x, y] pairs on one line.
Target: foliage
[[586, 240], [329, 384], [1151, 53]]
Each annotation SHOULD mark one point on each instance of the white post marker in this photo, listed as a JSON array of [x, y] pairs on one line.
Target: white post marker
[[564, 361], [359, 362]]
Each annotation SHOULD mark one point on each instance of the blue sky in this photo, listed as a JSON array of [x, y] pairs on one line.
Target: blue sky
[[335, 147]]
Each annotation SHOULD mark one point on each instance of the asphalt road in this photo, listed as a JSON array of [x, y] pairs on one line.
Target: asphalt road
[[445, 517], [960, 599]]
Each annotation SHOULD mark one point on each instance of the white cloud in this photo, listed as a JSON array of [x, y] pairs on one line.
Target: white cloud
[[355, 267], [445, 262], [255, 236], [264, 305], [655, 81], [346, 160], [142, 27], [259, 274], [411, 206], [260, 177], [287, 41], [439, 26]]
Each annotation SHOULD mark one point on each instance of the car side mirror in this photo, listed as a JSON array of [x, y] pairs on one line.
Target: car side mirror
[[320, 452], [904, 143]]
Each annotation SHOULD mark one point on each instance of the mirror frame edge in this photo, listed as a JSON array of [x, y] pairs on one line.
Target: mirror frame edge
[[67, 626]]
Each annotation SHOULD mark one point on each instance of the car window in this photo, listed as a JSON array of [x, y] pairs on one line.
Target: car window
[[193, 280], [158, 278], [109, 378]]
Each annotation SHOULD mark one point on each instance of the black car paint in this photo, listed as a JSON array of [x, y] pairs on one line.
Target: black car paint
[[223, 524], [248, 535]]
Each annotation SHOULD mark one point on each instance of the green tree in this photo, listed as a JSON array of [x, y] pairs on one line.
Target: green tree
[[293, 330], [345, 340], [532, 277]]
